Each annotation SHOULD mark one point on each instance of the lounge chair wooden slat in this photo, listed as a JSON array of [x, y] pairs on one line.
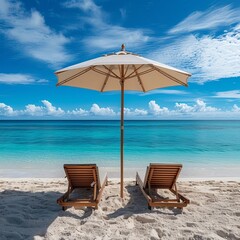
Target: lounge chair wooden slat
[[80, 173], [159, 179], [86, 184], [160, 184], [156, 173], [161, 176], [74, 182], [82, 176], [172, 173], [162, 179], [85, 180], [76, 177], [80, 170]]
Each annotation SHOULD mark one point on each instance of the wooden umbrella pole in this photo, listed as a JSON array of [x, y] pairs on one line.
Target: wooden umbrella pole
[[122, 128]]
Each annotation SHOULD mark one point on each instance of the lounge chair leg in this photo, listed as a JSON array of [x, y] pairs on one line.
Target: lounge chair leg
[[149, 207], [63, 208]]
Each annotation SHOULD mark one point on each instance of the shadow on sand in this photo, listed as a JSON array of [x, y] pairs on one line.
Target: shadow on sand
[[24, 215], [137, 204]]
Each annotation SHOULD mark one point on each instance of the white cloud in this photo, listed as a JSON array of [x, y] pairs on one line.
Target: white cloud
[[98, 111], [87, 6], [46, 110], [203, 112], [50, 109], [103, 35], [199, 110], [14, 78], [6, 110], [155, 109], [171, 92], [228, 94], [207, 58], [135, 112], [32, 34], [236, 108], [200, 106], [33, 110], [209, 19], [184, 108], [111, 37], [78, 112]]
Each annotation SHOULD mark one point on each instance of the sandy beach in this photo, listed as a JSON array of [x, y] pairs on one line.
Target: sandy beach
[[29, 211]]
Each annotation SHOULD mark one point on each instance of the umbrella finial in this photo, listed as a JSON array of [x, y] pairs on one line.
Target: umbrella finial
[[123, 47]]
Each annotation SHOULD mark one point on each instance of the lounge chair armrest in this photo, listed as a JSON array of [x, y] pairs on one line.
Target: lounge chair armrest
[[102, 187], [184, 199], [140, 183]]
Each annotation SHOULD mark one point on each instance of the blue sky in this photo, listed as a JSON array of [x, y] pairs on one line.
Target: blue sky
[[40, 37]]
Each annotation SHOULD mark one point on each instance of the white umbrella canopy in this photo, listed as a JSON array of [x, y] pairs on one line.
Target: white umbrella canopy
[[140, 74], [121, 71]]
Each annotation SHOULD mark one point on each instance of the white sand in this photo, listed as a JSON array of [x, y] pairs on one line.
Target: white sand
[[29, 211]]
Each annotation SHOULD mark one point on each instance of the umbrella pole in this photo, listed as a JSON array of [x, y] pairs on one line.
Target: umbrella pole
[[122, 127]]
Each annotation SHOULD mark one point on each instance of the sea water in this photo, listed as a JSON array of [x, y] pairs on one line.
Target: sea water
[[40, 148]]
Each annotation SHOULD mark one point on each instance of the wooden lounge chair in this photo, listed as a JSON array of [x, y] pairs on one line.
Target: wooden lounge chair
[[82, 179], [162, 176]]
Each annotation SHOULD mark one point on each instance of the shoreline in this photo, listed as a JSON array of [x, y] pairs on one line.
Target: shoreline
[[198, 171], [116, 180]]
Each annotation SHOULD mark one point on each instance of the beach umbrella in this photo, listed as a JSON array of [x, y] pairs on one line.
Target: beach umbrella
[[121, 71]]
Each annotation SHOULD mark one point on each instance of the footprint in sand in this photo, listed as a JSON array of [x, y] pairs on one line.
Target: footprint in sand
[[172, 217], [196, 203], [227, 235], [124, 232], [190, 224], [144, 219], [186, 230], [161, 233]]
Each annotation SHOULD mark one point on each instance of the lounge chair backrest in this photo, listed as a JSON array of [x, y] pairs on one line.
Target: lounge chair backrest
[[162, 175], [82, 175]]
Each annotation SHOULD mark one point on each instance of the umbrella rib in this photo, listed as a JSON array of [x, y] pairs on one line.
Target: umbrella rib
[[74, 76], [126, 70], [104, 73], [120, 71], [129, 76], [105, 81], [169, 76], [115, 75], [142, 73], [139, 79]]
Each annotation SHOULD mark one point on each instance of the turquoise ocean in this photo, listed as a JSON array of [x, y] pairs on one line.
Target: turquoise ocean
[[40, 148]]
